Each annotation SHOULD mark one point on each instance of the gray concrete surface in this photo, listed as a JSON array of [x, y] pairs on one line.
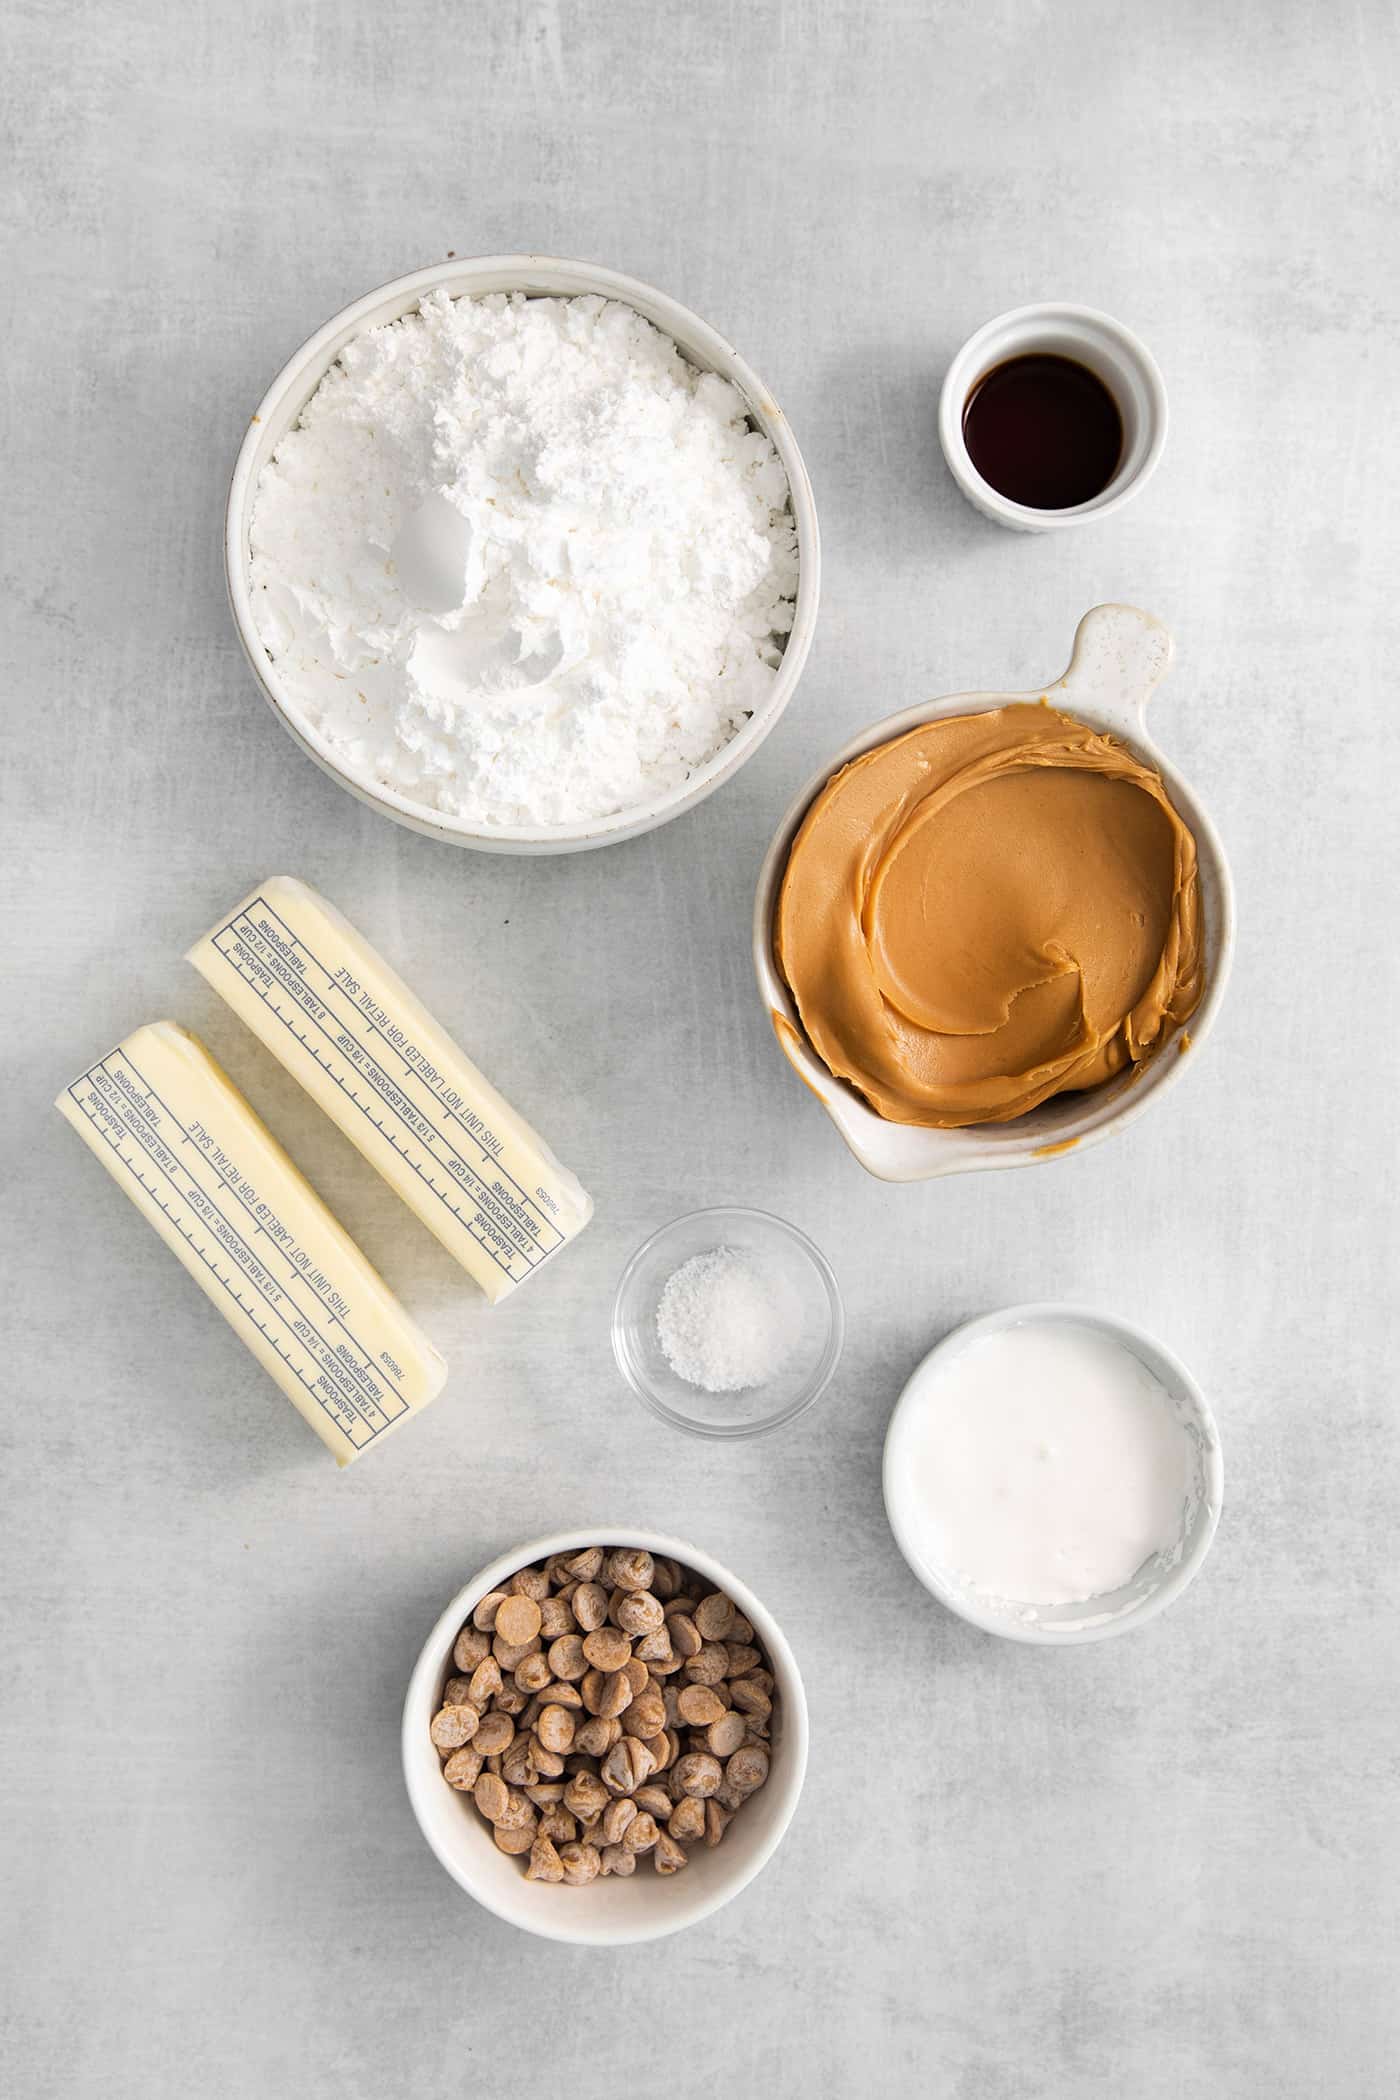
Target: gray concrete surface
[[1165, 1865]]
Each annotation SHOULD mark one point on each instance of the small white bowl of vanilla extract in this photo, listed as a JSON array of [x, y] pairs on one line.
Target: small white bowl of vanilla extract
[[1052, 416]]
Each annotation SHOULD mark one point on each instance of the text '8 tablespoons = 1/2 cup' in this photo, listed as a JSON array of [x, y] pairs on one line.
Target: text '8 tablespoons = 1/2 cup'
[[546, 277], [1120, 656]]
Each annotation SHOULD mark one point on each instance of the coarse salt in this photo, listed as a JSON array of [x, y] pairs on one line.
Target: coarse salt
[[724, 1323], [521, 561]]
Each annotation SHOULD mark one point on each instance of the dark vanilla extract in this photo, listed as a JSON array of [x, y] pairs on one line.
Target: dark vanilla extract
[[1044, 431]]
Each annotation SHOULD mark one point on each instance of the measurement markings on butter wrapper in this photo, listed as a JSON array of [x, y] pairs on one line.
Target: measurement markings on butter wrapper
[[409, 1103], [250, 1252]]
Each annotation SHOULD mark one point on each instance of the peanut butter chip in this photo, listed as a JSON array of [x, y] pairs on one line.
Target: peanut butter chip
[[589, 1604], [629, 1568], [616, 1818], [669, 1857], [555, 1728], [726, 1735], [687, 1819], [518, 1812], [472, 1647], [492, 1796], [496, 1732], [710, 1665], [518, 1620], [454, 1726], [626, 1765], [646, 1716], [510, 1654], [717, 1821], [616, 1695], [556, 1617], [747, 1769], [697, 1773], [484, 1617], [641, 1833], [545, 1863], [515, 1838], [485, 1681], [714, 1615], [685, 1636], [607, 1648], [639, 1612], [595, 1736], [463, 1769], [518, 1766], [698, 1705], [581, 1864], [567, 1659], [585, 1795]]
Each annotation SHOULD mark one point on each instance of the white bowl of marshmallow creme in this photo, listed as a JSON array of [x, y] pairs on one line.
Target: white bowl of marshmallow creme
[[1053, 1474]]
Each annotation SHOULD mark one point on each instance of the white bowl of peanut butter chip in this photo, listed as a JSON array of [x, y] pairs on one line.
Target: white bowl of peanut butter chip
[[541, 1776]]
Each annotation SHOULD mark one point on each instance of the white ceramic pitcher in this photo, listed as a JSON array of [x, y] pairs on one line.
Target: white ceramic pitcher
[[1120, 656]]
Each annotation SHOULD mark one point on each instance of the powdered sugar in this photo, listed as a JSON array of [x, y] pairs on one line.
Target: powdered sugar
[[523, 562], [724, 1323]]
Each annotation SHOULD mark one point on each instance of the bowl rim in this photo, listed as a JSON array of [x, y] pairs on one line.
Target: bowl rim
[[459, 275], [789, 1769], [1134, 1337], [831, 1355], [965, 1151]]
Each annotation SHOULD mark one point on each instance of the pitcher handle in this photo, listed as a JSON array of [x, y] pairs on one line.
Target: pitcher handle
[[1120, 657]]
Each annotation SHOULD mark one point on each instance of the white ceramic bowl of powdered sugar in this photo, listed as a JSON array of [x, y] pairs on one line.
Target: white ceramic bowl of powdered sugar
[[523, 554]]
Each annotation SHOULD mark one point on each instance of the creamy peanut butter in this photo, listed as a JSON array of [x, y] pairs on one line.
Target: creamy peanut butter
[[987, 911]]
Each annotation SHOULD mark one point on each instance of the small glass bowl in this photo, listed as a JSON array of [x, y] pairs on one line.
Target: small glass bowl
[[782, 1250]]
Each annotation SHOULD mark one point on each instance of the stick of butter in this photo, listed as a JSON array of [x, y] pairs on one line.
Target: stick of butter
[[329, 1007], [173, 1130]]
